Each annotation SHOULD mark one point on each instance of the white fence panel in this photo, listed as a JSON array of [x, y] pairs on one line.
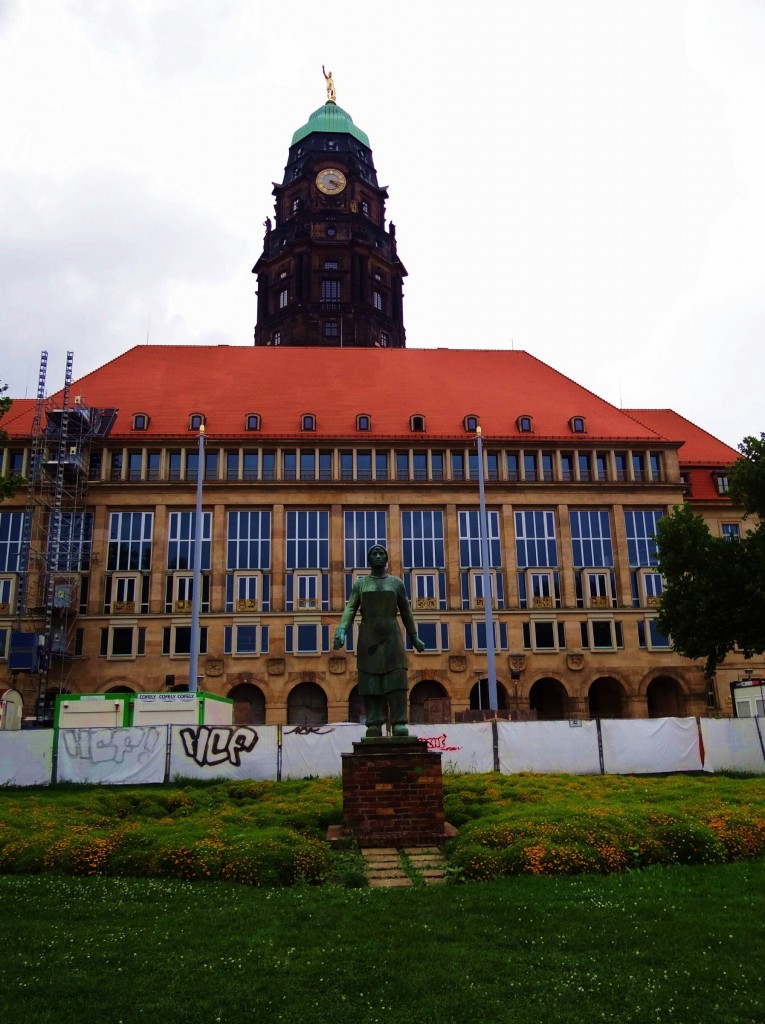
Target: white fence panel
[[125, 756], [26, 758], [223, 751], [317, 750], [548, 747], [465, 747], [650, 745], [732, 743]]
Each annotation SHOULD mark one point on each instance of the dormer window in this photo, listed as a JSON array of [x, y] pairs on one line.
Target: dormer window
[[140, 421], [196, 421], [722, 483], [578, 425], [417, 424], [308, 421], [363, 422], [525, 424], [471, 424], [252, 421]]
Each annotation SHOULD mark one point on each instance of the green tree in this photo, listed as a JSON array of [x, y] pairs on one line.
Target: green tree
[[11, 483], [714, 597]]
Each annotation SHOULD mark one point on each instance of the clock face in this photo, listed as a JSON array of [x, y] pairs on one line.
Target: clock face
[[330, 181]]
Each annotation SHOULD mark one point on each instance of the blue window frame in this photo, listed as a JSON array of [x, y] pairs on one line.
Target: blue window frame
[[249, 540], [641, 526], [470, 539], [308, 539], [535, 543], [422, 535], [130, 541], [362, 530], [180, 540], [11, 529], [591, 539]]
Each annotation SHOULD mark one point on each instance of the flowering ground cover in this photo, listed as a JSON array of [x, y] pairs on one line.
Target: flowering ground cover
[[680, 943], [272, 834]]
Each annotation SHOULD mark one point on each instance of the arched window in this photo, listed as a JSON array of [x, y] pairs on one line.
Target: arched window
[[578, 425], [471, 424], [196, 421], [525, 424], [417, 424], [252, 421], [363, 422], [140, 421], [308, 421]]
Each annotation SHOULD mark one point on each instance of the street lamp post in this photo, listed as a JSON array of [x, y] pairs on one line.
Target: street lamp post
[[487, 592], [196, 591]]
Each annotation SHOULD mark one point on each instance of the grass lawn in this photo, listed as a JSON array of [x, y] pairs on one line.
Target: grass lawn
[[680, 943]]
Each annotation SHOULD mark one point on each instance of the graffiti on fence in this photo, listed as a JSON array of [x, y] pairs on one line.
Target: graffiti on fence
[[437, 742], [212, 745], [114, 746]]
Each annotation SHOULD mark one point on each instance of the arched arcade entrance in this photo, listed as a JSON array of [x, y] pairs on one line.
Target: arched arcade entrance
[[548, 697]]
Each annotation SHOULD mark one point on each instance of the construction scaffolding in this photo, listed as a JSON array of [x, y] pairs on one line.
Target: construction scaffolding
[[56, 543]]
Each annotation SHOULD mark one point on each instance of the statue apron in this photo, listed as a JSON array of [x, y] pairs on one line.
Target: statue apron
[[380, 651]]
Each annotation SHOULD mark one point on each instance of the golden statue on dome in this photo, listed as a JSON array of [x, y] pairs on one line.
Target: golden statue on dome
[[331, 94]]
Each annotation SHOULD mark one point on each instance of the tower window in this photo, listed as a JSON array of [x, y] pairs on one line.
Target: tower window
[[330, 291], [276, 338], [252, 421], [363, 422], [331, 232], [331, 329], [282, 275], [577, 424], [331, 265], [377, 300], [140, 421], [524, 424], [364, 207], [284, 297], [196, 421], [331, 144], [384, 339], [295, 205], [308, 422], [417, 423], [471, 424]]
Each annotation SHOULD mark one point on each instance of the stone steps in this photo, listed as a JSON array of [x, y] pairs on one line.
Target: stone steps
[[390, 867]]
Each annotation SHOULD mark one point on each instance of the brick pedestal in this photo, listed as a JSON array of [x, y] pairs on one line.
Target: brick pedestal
[[393, 793]]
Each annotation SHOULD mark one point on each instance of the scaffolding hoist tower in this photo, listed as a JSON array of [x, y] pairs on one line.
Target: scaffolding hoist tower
[[56, 543]]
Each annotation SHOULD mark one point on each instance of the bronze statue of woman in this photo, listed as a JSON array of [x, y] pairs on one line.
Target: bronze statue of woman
[[380, 655]]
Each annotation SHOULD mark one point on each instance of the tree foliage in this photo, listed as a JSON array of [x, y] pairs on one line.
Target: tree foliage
[[714, 596], [11, 483]]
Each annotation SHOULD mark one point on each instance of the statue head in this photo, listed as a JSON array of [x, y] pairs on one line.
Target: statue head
[[377, 555]]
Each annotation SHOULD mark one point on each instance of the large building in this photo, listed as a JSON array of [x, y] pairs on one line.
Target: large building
[[324, 437]]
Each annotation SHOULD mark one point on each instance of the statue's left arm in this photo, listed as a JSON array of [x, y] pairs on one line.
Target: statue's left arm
[[405, 611]]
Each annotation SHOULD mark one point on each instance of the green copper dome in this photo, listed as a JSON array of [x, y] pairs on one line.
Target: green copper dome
[[333, 119]]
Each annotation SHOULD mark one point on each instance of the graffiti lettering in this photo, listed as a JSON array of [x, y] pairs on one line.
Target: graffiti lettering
[[112, 745], [307, 730], [437, 742], [210, 745]]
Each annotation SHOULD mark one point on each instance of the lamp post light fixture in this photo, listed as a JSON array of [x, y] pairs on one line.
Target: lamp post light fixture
[[487, 591], [196, 593]]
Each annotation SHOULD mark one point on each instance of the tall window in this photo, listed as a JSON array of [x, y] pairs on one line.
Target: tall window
[[422, 533], [130, 541], [249, 540], [11, 528], [591, 538], [535, 543], [283, 301], [330, 291], [307, 539], [470, 539], [642, 525], [362, 530], [70, 551], [180, 542]]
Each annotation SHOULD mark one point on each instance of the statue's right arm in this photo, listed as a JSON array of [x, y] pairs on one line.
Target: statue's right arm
[[348, 616]]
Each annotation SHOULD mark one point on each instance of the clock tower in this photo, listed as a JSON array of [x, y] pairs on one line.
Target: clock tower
[[329, 273]]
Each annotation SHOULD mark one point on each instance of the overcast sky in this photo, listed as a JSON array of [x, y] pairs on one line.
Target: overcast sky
[[598, 164]]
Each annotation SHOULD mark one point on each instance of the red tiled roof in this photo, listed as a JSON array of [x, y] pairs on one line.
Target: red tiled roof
[[225, 383], [699, 448]]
